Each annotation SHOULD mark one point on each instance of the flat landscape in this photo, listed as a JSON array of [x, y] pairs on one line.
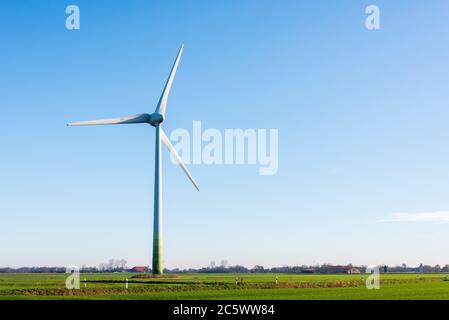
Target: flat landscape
[[223, 286]]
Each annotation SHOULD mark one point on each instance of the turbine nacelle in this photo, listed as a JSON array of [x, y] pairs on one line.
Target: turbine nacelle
[[155, 119]]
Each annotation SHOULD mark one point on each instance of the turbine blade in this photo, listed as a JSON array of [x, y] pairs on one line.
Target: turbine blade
[[178, 158], [140, 118], [162, 105]]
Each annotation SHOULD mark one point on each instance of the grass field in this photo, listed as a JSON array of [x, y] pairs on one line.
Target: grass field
[[219, 286]]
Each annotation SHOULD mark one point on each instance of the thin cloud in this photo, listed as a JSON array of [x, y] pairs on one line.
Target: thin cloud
[[437, 216]]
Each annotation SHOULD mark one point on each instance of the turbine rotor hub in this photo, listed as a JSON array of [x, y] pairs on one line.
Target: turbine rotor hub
[[156, 119]]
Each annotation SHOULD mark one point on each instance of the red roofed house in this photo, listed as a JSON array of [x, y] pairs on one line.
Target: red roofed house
[[140, 269]]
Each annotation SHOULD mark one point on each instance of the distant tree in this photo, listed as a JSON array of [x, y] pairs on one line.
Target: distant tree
[[224, 263], [258, 269], [421, 268], [122, 264]]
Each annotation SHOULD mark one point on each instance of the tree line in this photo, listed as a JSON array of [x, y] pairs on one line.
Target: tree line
[[119, 265]]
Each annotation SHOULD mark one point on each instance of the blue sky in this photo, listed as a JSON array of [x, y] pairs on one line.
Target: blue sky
[[362, 119]]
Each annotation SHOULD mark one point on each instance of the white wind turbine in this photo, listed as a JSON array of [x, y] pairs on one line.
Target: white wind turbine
[[155, 119]]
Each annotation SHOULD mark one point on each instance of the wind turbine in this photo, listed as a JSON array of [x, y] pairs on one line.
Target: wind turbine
[[155, 119]]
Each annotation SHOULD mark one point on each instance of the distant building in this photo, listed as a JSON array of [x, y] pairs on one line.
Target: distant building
[[354, 271], [140, 269], [308, 270]]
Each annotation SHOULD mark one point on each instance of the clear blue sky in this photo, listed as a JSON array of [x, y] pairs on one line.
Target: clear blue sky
[[362, 118]]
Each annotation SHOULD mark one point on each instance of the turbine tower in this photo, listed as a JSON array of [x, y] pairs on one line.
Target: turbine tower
[[155, 119]]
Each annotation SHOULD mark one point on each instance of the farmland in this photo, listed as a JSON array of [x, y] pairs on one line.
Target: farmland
[[224, 286]]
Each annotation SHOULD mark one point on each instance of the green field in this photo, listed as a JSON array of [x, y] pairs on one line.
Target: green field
[[223, 286]]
